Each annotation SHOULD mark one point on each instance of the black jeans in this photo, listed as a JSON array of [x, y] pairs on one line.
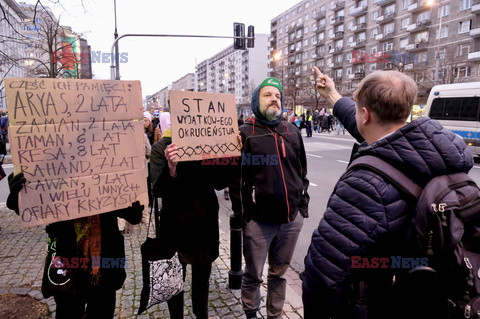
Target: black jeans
[[100, 304], [200, 288]]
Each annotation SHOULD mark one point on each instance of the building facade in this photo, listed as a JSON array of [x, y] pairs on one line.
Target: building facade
[[11, 52], [435, 42], [236, 72], [185, 83]]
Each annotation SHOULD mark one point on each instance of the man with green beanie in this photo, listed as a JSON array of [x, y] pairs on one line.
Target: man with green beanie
[[269, 196]]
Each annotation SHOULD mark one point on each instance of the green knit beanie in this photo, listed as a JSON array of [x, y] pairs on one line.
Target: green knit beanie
[[272, 82]]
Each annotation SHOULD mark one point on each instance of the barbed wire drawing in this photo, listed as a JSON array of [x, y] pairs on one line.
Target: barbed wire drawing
[[189, 151]]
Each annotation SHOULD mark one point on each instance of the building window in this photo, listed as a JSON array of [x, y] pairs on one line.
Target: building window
[[405, 22], [423, 16], [466, 4], [374, 32], [443, 32], [375, 15], [462, 72], [444, 10], [388, 28], [387, 46], [463, 50], [404, 42], [419, 77], [464, 26], [373, 50], [405, 4], [441, 53], [390, 9]]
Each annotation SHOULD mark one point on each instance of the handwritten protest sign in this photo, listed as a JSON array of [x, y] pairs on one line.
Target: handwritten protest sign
[[204, 125], [80, 145]]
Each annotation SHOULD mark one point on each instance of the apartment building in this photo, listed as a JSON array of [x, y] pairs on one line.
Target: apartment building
[[431, 40], [185, 83], [236, 72], [11, 52]]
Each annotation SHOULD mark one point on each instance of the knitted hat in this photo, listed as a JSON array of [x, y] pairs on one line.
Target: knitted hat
[[147, 115], [272, 82], [255, 104]]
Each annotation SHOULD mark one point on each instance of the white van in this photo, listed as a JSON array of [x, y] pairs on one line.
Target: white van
[[457, 108]]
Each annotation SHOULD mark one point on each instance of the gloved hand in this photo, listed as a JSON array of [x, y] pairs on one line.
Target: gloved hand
[[132, 214], [15, 183]]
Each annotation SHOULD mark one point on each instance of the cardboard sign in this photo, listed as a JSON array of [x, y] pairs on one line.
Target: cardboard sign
[[80, 145], [204, 125]]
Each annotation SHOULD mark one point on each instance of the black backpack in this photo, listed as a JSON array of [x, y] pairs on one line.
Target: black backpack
[[445, 229]]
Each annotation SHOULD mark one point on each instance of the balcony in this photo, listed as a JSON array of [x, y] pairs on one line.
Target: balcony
[[475, 33], [338, 35], [337, 20], [387, 35], [358, 11], [387, 17], [474, 56], [351, 76], [379, 37], [383, 2], [420, 46], [360, 43], [420, 25], [339, 5], [360, 59], [338, 49], [352, 44], [360, 75], [476, 8], [360, 27], [320, 15], [321, 28], [337, 65], [419, 6]]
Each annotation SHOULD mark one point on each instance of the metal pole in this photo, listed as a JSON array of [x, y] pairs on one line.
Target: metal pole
[[437, 56], [112, 66], [235, 274], [117, 60]]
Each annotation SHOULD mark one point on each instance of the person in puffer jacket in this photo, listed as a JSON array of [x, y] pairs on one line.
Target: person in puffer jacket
[[366, 214], [270, 196]]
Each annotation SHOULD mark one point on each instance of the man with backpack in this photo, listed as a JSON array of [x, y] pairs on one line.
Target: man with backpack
[[358, 261]]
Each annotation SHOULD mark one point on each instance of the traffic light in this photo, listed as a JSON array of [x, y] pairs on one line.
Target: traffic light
[[239, 34], [251, 34]]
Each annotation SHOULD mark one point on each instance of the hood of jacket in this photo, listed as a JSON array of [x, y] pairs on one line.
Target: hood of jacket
[[255, 105]]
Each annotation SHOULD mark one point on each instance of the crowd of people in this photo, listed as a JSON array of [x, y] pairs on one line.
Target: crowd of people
[[364, 217]]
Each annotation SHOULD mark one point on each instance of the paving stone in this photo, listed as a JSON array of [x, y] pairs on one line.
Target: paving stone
[[23, 255]]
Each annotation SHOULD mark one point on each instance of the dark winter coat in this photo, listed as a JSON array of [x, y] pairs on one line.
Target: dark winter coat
[[273, 177], [365, 213], [112, 246], [189, 205]]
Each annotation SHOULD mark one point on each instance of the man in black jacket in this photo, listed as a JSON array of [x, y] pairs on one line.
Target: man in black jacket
[[367, 215], [270, 196]]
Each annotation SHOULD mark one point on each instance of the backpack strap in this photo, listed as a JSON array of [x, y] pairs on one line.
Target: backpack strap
[[387, 171]]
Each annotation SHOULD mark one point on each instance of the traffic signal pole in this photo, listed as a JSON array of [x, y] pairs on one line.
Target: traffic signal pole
[[116, 75]]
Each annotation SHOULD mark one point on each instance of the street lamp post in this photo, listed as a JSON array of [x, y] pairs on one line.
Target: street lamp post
[[115, 35], [437, 52]]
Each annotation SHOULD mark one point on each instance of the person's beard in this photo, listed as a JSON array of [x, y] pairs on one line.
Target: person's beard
[[273, 114]]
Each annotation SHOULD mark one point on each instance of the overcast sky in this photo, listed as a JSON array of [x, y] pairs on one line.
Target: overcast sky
[[157, 62]]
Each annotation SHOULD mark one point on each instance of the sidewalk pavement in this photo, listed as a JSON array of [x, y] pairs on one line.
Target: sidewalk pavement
[[23, 253]]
